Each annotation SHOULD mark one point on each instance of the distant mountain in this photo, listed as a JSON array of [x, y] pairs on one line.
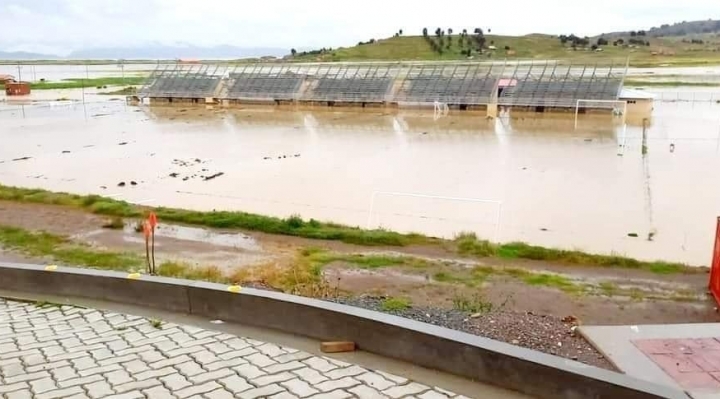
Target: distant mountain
[[172, 52], [155, 51], [677, 29], [23, 55], [686, 28]]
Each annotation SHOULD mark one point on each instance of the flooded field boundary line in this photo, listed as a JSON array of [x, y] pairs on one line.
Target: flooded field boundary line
[[466, 244]]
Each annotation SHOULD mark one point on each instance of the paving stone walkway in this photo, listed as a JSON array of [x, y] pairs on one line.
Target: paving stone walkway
[[69, 352]]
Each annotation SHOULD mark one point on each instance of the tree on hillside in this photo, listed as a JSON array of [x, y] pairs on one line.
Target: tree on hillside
[[425, 32], [641, 33], [464, 32], [633, 33], [438, 32], [602, 41], [293, 52], [478, 31], [400, 32], [449, 31]]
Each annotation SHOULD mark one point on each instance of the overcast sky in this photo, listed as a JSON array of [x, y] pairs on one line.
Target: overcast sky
[[60, 26]]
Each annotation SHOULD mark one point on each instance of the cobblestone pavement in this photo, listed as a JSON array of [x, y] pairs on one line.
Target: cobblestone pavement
[[69, 352]]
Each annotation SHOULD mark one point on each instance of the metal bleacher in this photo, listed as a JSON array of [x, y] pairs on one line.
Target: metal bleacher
[[449, 84], [253, 81], [351, 84], [183, 81], [521, 83], [553, 85]]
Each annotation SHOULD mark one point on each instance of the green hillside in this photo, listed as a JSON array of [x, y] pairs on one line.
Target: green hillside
[[661, 51]]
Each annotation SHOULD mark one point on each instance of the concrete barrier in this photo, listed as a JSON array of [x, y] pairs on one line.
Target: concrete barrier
[[450, 351]]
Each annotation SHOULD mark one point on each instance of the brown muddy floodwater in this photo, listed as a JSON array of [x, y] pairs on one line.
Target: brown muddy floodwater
[[546, 182]]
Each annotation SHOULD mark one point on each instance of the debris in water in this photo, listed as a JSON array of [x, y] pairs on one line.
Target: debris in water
[[89, 146], [633, 235], [297, 155], [103, 187], [185, 178], [121, 184], [66, 152], [198, 160], [22, 159], [672, 147], [588, 140], [133, 183], [123, 143], [174, 174], [543, 229], [214, 176], [266, 158]]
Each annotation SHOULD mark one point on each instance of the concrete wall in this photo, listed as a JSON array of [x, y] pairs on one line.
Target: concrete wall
[[466, 355]]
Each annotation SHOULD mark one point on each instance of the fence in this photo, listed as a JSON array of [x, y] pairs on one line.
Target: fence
[[715, 270], [691, 97]]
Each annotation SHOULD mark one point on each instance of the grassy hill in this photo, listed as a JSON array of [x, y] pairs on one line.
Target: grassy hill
[[671, 51]]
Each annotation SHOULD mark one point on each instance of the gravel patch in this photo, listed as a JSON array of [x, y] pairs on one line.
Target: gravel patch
[[547, 334]]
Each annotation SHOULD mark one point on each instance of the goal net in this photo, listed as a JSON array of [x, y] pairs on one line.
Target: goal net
[[617, 108]]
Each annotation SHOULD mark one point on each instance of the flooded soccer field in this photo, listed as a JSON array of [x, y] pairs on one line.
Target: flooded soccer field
[[528, 177]]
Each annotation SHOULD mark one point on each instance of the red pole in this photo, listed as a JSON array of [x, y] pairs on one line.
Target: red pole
[[715, 267]]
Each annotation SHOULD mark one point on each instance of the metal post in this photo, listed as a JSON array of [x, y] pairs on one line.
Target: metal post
[[644, 148]]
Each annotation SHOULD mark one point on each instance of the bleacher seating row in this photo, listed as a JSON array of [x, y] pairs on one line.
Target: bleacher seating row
[[179, 86], [428, 88]]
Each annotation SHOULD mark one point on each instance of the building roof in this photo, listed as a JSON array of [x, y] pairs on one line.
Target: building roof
[[632, 94]]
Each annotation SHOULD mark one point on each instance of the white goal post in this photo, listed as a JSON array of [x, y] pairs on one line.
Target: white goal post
[[498, 204], [619, 107], [440, 110]]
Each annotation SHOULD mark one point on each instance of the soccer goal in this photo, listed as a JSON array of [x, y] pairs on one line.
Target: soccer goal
[[618, 107], [440, 110], [495, 205]]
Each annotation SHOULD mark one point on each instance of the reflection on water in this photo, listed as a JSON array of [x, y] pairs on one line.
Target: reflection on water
[[557, 186]]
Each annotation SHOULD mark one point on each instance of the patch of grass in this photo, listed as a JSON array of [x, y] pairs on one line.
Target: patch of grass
[[77, 83], [61, 249], [372, 261], [156, 323], [608, 288], [302, 277], [469, 244], [191, 272], [472, 304], [125, 91], [553, 281], [395, 304], [520, 250], [115, 223], [46, 304]]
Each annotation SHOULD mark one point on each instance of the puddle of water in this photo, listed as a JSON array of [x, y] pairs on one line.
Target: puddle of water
[[186, 233]]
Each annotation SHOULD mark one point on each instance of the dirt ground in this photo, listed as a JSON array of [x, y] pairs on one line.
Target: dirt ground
[[230, 249], [655, 299]]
